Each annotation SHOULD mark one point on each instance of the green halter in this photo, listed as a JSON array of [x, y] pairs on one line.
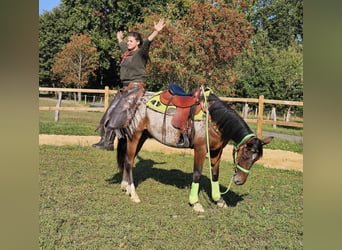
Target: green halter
[[235, 151]]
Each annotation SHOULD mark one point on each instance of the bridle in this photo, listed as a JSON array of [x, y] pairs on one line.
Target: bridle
[[236, 149]]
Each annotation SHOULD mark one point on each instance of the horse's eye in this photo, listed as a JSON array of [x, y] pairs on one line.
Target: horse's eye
[[250, 145], [250, 149]]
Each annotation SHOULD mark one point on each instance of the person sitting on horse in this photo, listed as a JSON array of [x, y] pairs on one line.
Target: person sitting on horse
[[132, 75]]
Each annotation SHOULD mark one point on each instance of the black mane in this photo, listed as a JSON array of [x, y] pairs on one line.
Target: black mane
[[230, 124]]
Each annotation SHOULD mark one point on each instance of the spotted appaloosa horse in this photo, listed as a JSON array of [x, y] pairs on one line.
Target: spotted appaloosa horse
[[224, 125]]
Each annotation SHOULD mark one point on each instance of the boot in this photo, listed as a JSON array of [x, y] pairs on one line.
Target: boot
[[109, 140], [106, 141], [183, 141]]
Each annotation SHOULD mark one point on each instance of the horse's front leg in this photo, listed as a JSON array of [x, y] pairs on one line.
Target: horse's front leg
[[130, 188], [133, 147], [199, 157], [215, 185]]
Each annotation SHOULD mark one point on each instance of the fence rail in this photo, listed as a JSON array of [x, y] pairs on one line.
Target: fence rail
[[106, 91]]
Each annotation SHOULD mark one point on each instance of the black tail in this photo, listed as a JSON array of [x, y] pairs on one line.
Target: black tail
[[121, 152]]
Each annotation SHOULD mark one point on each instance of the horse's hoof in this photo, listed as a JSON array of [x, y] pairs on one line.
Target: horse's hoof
[[221, 203], [135, 198], [197, 207]]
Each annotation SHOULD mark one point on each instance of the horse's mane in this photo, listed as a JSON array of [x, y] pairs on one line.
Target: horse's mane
[[229, 123]]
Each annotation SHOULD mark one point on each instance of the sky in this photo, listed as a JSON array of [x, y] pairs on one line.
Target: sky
[[47, 5]]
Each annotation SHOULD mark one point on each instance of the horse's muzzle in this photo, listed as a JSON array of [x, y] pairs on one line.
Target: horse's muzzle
[[237, 180]]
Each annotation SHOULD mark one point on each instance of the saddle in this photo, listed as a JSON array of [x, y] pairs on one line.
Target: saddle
[[187, 105]]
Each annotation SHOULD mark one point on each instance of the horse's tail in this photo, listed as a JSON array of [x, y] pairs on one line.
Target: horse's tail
[[121, 152]]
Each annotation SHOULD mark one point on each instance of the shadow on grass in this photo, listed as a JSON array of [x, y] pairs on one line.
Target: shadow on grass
[[145, 169]]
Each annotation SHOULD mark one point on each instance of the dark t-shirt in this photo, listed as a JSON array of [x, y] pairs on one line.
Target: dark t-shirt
[[133, 67]]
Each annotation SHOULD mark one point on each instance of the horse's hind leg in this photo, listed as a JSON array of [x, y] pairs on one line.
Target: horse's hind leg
[[121, 160]]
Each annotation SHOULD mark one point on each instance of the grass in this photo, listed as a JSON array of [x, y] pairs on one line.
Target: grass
[[70, 122], [279, 129], [85, 122], [82, 206], [285, 145]]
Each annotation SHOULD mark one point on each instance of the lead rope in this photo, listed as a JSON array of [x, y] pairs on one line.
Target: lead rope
[[207, 137]]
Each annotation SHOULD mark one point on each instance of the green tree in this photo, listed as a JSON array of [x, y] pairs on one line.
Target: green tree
[[76, 62], [282, 19], [52, 36], [274, 72], [273, 65]]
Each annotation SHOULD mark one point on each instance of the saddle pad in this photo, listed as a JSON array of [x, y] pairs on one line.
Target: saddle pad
[[155, 104]]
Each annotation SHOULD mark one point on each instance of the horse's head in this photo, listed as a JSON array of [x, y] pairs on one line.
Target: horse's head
[[245, 155]]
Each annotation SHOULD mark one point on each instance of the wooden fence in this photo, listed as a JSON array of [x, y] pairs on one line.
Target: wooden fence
[[260, 115]]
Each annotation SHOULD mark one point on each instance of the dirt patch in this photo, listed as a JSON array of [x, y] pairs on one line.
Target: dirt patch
[[272, 158]]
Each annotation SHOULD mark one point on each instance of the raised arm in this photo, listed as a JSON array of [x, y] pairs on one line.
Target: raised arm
[[119, 35], [157, 27]]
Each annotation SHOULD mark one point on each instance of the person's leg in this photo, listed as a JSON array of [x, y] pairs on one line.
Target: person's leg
[[107, 135], [107, 140]]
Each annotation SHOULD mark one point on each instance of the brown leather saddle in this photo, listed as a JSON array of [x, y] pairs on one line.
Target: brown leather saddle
[[187, 105]]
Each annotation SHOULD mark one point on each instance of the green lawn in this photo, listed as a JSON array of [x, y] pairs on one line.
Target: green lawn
[[82, 206]]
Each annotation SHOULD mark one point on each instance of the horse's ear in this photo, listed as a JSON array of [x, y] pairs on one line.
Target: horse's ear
[[267, 140]]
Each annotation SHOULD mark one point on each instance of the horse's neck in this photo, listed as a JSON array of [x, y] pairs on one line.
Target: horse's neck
[[240, 136], [240, 131]]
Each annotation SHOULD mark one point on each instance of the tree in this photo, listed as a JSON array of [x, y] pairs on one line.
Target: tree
[[200, 48], [281, 19], [76, 62], [274, 72], [273, 65], [52, 36]]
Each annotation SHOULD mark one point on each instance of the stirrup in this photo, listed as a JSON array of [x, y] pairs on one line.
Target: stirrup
[[183, 141]]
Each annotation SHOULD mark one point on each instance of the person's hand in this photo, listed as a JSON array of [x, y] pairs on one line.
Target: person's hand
[[160, 25], [119, 35]]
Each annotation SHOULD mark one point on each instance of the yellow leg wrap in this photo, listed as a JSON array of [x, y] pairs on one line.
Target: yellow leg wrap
[[193, 198], [215, 190]]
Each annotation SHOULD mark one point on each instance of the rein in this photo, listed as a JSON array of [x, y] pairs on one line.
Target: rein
[[208, 144]]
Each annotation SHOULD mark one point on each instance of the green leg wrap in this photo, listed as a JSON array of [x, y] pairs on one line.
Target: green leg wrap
[[193, 198], [215, 190]]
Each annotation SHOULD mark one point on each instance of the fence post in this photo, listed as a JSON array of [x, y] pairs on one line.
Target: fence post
[[260, 116], [245, 110], [58, 104], [274, 116], [106, 98]]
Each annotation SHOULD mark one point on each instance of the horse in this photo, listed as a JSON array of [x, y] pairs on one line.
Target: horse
[[211, 133]]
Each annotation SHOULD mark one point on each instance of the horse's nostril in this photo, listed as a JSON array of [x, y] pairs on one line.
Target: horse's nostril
[[238, 182]]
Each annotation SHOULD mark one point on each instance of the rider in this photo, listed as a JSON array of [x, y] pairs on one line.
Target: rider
[[132, 75]]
